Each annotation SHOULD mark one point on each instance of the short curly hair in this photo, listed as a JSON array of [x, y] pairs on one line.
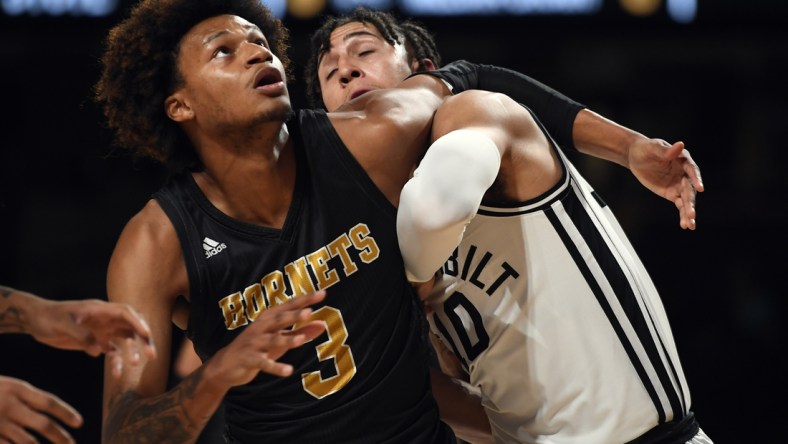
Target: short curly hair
[[139, 71], [419, 43]]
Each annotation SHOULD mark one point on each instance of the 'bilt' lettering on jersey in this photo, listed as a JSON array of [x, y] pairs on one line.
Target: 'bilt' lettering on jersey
[[245, 306], [465, 269]]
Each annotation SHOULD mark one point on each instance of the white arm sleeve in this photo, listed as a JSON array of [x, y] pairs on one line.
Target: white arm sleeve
[[441, 199]]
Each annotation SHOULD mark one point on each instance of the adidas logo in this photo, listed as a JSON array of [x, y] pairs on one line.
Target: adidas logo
[[211, 247]]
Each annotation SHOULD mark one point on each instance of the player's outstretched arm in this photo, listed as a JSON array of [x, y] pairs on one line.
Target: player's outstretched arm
[[674, 177], [93, 326], [664, 168], [554, 109]]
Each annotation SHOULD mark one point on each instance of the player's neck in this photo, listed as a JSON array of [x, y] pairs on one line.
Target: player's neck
[[252, 187]]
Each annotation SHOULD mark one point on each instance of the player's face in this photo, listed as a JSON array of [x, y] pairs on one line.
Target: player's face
[[358, 61], [231, 77]]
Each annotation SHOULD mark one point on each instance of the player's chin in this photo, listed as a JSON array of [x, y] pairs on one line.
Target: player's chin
[[281, 112]]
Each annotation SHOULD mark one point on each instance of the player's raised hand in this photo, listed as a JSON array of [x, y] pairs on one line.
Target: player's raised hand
[[265, 340], [669, 171]]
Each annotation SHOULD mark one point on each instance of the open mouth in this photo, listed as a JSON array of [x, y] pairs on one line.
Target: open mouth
[[267, 77], [358, 93]]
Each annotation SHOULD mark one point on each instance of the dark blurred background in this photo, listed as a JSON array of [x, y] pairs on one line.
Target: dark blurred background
[[709, 72]]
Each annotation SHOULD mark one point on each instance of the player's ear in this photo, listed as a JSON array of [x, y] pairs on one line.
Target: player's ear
[[177, 107], [428, 65]]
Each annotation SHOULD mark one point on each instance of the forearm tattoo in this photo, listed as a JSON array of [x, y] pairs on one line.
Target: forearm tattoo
[[163, 419], [11, 319]]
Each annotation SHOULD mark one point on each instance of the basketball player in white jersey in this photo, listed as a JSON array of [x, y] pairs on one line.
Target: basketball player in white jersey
[[355, 56], [545, 303]]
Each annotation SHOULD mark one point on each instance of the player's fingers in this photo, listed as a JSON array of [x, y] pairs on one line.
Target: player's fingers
[[310, 330], [140, 328], [94, 349], [14, 434], [113, 321], [115, 363], [41, 401], [284, 315], [674, 150], [275, 368], [118, 356], [40, 420], [684, 221], [692, 171], [688, 195], [686, 214], [680, 206], [273, 321], [302, 301], [132, 351], [133, 345], [128, 353], [136, 330], [52, 431], [277, 343]]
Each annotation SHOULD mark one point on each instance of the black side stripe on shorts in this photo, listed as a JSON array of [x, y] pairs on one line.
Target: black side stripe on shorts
[[677, 414], [618, 281]]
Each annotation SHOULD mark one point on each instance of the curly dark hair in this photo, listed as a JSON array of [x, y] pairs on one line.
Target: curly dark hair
[[139, 71], [419, 43]]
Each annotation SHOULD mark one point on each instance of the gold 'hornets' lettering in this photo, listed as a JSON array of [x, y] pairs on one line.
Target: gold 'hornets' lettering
[[233, 310], [299, 277], [274, 287], [240, 308], [326, 277], [364, 243], [334, 348]]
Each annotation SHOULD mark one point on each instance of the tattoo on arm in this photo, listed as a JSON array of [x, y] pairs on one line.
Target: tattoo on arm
[[11, 319], [135, 419]]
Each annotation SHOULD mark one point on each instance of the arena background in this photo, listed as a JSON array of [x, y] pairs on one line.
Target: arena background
[[717, 82]]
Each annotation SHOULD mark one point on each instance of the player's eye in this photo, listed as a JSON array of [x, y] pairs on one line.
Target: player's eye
[[222, 51]]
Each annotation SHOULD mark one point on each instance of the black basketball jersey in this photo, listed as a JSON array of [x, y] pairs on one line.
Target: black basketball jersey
[[366, 379]]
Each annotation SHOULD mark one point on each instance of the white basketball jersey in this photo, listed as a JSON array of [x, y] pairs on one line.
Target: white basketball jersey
[[559, 324]]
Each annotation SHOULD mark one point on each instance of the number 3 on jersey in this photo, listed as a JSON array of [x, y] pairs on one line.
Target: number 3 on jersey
[[334, 348], [464, 318]]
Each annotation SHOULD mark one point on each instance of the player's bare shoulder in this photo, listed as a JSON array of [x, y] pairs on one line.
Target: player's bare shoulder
[[150, 224], [149, 245]]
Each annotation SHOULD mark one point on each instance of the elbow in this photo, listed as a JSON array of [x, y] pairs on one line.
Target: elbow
[[432, 212]]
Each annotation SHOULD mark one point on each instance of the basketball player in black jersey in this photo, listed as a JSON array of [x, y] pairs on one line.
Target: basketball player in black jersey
[[266, 208], [93, 326]]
